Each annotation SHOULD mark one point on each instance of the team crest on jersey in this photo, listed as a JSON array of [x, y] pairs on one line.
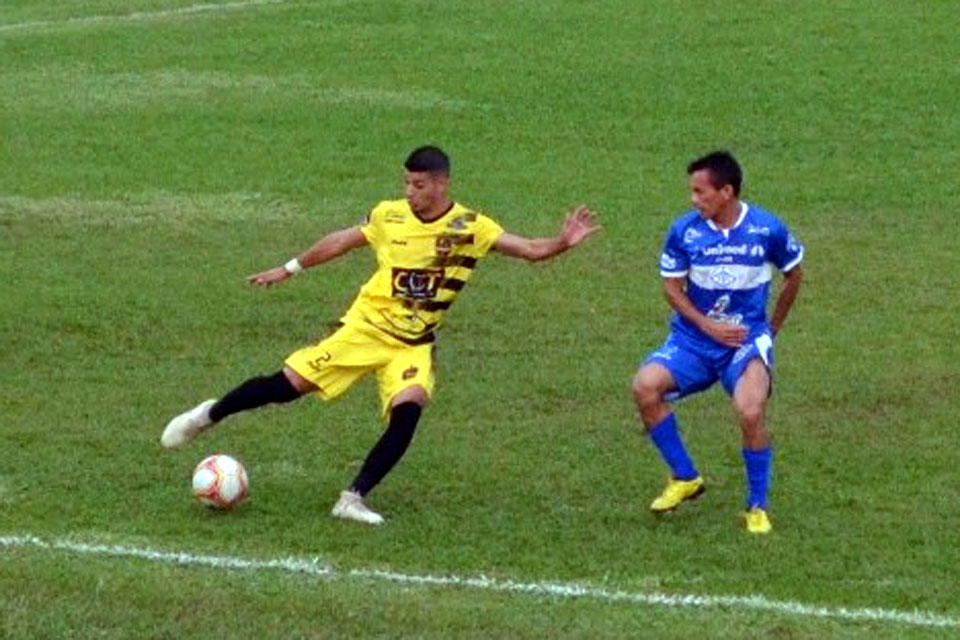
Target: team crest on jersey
[[443, 246], [447, 241], [416, 284], [723, 277]]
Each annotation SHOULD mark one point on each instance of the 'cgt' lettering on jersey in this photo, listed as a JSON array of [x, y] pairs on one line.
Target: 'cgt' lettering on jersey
[[417, 284]]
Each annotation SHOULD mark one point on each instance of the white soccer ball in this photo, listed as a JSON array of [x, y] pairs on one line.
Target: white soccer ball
[[220, 481]]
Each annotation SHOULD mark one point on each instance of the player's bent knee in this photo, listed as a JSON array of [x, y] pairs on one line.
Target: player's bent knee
[[298, 382], [647, 388], [416, 394], [750, 415]]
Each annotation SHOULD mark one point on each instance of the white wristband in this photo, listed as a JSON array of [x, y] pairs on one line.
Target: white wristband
[[293, 267]]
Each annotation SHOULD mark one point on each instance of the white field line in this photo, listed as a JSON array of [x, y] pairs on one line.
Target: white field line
[[139, 15], [314, 567]]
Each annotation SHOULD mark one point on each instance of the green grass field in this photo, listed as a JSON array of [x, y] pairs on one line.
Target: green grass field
[[155, 152]]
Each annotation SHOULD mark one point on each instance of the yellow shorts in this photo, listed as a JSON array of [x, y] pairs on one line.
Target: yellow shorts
[[351, 352]]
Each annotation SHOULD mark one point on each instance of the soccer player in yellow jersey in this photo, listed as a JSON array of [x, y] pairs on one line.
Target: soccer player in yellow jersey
[[427, 246]]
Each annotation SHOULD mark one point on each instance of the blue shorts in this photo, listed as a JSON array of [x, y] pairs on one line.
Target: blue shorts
[[695, 368]]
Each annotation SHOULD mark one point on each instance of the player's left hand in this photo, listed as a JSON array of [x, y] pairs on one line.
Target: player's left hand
[[578, 226]]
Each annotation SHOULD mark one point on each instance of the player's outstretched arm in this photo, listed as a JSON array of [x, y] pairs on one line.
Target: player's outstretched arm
[[578, 226], [325, 249]]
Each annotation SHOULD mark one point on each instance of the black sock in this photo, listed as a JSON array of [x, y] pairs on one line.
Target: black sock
[[390, 448], [254, 393]]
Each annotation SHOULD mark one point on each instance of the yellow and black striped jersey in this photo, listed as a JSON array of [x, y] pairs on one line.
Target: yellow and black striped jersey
[[422, 266]]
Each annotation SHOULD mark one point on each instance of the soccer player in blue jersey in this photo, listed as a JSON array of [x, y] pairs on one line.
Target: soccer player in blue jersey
[[716, 266]]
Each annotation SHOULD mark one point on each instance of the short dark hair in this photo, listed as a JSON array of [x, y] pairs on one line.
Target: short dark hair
[[428, 158], [723, 167]]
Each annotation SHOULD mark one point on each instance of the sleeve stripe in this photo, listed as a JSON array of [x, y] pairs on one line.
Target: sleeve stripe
[[793, 263], [674, 274]]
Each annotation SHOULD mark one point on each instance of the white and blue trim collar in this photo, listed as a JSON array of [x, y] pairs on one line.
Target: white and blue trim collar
[[743, 214]]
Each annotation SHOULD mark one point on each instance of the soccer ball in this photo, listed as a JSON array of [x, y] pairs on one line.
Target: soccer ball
[[220, 481]]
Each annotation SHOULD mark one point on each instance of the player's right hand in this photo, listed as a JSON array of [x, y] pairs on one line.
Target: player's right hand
[[730, 335], [269, 277], [579, 225]]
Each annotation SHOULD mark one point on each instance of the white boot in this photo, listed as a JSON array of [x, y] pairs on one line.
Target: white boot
[[350, 507], [187, 425]]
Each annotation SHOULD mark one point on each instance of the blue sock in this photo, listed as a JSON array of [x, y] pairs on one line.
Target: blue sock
[[758, 463], [667, 439]]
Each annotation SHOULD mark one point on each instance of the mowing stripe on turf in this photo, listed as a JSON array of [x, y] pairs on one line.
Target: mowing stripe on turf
[[314, 567], [139, 15]]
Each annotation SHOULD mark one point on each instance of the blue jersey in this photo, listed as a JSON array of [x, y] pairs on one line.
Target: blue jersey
[[728, 271]]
